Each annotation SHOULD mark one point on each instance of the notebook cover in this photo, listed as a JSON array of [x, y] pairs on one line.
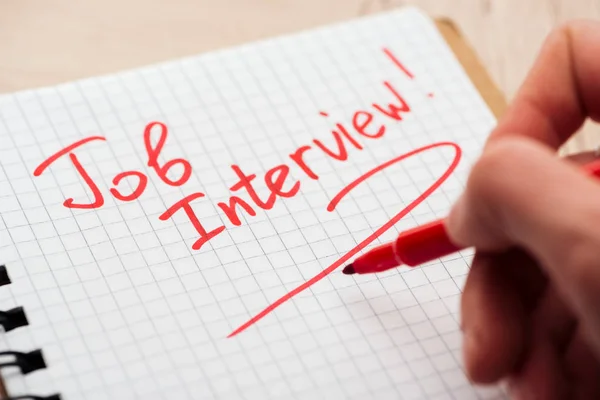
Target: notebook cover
[[477, 73]]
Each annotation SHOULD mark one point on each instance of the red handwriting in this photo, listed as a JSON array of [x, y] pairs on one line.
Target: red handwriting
[[189, 211], [70, 203], [346, 257], [46, 163], [345, 138], [365, 125], [142, 182], [398, 64], [154, 152], [137, 192]]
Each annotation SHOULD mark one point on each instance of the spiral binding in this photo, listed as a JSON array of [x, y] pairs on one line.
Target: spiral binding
[[26, 362]]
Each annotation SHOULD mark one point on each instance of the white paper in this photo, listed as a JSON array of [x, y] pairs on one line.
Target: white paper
[[123, 307]]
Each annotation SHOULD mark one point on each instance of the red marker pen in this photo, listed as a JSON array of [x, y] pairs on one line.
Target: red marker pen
[[418, 245]]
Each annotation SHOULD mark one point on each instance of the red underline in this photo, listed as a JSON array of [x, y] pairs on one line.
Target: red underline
[[335, 201]]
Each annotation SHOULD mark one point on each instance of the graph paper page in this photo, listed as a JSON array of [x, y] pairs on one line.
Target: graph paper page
[[178, 231]]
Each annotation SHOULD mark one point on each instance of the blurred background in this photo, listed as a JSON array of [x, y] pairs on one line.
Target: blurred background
[[52, 41]]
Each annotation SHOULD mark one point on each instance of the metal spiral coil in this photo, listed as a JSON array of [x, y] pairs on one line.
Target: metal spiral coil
[[27, 362]]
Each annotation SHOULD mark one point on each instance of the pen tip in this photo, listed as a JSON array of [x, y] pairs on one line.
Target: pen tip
[[348, 269]]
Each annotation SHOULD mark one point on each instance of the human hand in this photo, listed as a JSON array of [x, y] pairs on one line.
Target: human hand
[[531, 303]]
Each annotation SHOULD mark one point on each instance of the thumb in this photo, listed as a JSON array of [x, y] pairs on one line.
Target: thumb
[[519, 194]]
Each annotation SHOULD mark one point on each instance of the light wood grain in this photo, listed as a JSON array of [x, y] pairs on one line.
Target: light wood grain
[[44, 42], [51, 41]]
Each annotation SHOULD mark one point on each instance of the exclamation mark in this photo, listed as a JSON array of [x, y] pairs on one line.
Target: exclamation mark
[[398, 63], [401, 67]]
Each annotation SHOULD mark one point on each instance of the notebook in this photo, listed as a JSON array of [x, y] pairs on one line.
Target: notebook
[[177, 231]]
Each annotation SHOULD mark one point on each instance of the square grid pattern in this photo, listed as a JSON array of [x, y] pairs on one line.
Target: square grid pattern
[[121, 305]]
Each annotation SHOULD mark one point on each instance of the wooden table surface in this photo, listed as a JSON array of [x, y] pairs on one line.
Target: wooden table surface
[[45, 42], [51, 41]]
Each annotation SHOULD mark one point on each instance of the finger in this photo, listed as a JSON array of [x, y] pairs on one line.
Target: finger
[[561, 89], [583, 369], [542, 373], [520, 194], [555, 321], [541, 377], [497, 300], [498, 296], [499, 164]]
